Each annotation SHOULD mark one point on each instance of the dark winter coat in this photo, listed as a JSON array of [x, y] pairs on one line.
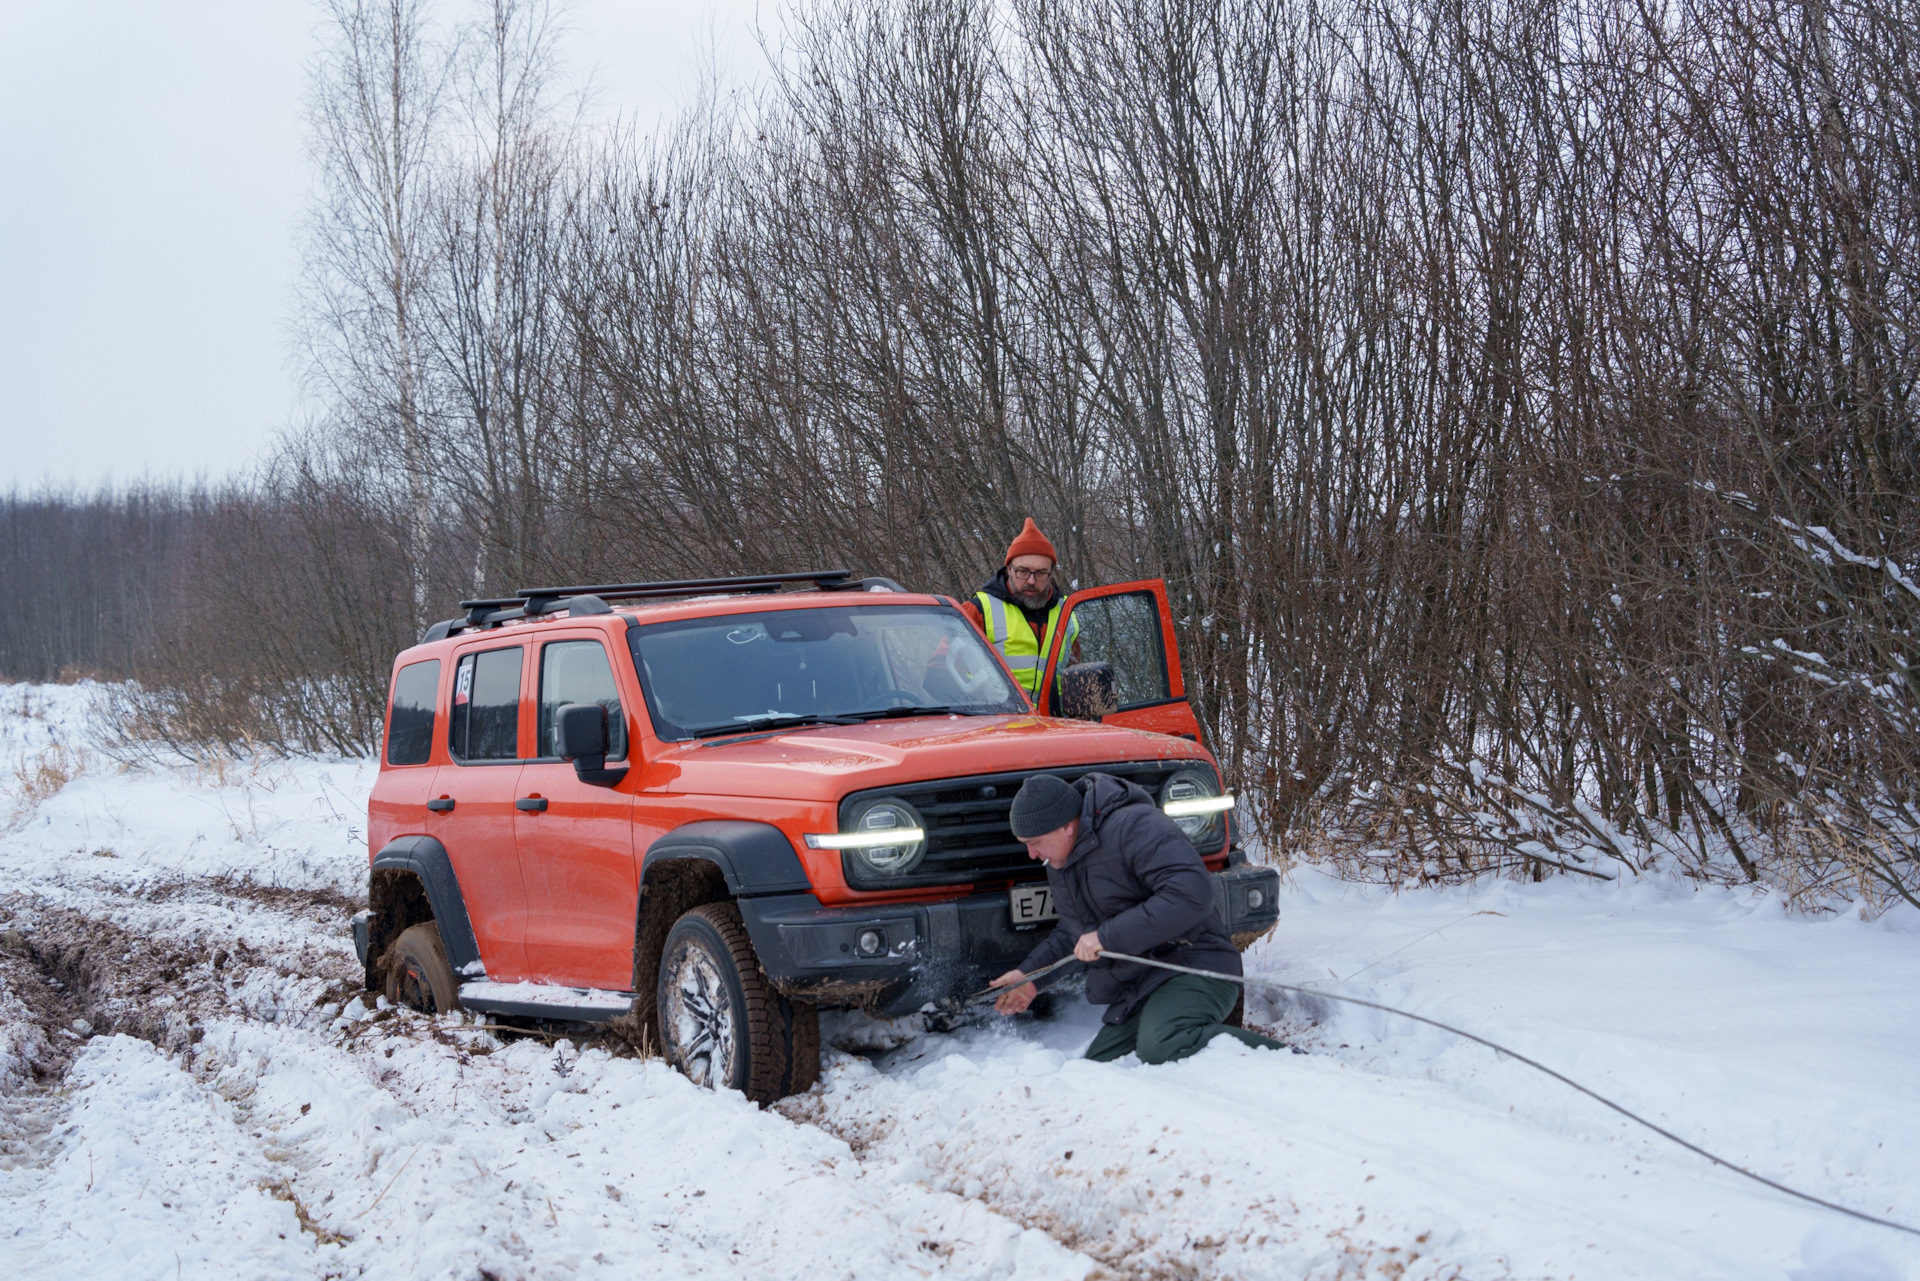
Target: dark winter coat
[[1136, 878]]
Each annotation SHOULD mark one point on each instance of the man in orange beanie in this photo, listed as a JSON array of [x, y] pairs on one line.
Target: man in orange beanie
[[1018, 609]]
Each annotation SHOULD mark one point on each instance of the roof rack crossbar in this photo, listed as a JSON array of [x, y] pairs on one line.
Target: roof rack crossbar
[[827, 579], [532, 602]]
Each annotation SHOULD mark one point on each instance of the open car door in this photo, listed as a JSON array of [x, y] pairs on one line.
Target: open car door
[[1115, 660]]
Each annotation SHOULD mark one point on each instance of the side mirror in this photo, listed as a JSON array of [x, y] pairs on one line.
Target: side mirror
[[1088, 692], [581, 729]]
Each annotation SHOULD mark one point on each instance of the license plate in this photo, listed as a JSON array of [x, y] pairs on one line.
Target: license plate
[[1031, 904]]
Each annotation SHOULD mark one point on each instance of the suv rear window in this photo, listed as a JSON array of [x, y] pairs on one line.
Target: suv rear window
[[485, 724], [410, 721], [735, 671]]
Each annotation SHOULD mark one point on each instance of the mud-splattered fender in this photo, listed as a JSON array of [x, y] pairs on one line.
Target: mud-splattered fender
[[393, 899]]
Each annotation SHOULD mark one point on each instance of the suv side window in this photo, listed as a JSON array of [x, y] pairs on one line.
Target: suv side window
[[485, 724], [577, 671], [410, 721], [1124, 630]]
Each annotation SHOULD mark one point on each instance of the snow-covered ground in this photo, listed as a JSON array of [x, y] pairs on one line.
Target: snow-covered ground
[[190, 1086]]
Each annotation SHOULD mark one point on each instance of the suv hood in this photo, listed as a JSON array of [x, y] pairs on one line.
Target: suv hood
[[826, 762]]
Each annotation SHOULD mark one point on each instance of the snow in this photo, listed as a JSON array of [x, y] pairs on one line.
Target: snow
[[305, 1134]]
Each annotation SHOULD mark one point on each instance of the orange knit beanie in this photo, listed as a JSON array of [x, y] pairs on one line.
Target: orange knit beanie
[[1031, 542]]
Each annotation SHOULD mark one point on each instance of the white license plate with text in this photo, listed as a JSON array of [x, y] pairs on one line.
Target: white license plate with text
[[1031, 905]]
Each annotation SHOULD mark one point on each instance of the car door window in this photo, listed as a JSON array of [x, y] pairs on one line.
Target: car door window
[[1124, 631], [577, 671], [410, 724], [485, 720]]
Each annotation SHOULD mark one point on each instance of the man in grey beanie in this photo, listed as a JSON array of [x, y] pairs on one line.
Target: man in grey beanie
[[1126, 879]]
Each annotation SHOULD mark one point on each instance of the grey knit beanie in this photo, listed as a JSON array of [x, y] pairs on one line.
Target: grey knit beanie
[[1045, 803]]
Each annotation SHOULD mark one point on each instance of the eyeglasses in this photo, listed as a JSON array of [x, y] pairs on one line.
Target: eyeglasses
[[1030, 575]]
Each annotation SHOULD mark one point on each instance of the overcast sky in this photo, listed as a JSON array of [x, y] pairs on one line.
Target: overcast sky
[[152, 182]]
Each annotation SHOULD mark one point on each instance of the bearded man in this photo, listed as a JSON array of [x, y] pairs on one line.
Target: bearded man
[[1018, 609]]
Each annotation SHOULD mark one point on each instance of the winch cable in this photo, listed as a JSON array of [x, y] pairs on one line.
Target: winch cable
[[1670, 1136]]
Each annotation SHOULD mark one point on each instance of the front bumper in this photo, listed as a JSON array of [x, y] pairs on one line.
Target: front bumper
[[896, 958]]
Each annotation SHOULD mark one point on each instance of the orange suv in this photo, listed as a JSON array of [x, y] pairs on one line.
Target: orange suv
[[699, 811]]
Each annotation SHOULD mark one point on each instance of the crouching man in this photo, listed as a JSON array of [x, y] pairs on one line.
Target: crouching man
[[1126, 879]]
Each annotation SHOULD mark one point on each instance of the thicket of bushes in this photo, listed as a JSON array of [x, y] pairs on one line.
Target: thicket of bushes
[[1518, 397]]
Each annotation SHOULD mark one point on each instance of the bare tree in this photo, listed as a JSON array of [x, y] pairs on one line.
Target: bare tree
[[378, 102]]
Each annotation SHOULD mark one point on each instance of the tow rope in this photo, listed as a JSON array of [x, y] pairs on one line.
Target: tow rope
[[1670, 1136]]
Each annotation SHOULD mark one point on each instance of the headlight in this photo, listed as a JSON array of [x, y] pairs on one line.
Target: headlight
[[886, 835], [1193, 801]]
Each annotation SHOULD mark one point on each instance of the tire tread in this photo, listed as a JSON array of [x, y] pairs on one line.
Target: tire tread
[[783, 1037]]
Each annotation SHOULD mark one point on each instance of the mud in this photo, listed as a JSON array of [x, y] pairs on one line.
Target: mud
[[119, 982], [82, 975], [322, 904], [51, 1006]]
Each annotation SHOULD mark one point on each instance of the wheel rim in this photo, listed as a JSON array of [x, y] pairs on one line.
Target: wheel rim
[[701, 1016], [415, 990]]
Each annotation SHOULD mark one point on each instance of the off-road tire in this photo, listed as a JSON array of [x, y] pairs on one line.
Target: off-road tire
[[803, 1040], [419, 975], [713, 996]]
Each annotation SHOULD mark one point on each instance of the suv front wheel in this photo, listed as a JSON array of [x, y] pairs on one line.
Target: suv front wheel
[[721, 1022]]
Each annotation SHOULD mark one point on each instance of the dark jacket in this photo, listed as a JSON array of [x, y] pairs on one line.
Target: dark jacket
[[997, 587], [1136, 878]]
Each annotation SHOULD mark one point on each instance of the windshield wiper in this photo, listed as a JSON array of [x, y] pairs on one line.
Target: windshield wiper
[[785, 721], [885, 713], [771, 722]]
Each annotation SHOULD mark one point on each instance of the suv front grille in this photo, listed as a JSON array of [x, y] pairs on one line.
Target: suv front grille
[[969, 837]]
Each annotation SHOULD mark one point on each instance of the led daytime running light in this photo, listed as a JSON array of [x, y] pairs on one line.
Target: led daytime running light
[[1197, 806], [865, 840]]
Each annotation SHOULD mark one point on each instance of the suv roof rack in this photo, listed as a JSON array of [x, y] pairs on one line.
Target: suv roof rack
[[824, 580], [531, 602]]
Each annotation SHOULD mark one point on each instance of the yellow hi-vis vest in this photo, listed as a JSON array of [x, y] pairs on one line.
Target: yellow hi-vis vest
[[1009, 632]]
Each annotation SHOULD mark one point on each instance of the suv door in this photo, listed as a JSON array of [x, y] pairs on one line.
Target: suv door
[[576, 850], [1128, 626], [484, 744]]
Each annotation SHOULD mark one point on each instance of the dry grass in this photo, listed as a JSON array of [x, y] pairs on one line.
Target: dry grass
[[39, 778]]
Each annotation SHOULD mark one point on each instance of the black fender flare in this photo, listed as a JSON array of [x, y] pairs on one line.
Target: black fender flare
[[427, 859], [755, 858], [703, 862]]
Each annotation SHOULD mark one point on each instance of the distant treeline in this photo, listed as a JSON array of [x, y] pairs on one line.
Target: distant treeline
[[1518, 396], [83, 577]]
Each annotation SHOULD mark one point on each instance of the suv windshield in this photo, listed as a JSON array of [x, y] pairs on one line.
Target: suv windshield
[[710, 676]]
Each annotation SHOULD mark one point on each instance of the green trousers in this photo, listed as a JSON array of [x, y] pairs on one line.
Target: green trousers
[[1180, 1016]]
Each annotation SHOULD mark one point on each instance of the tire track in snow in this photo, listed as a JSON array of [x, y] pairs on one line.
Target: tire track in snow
[[154, 1175], [476, 1114], [401, 1144], [161, 984], [526, 1160]]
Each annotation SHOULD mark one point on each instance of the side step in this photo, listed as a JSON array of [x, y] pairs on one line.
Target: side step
[[545, 1001]]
